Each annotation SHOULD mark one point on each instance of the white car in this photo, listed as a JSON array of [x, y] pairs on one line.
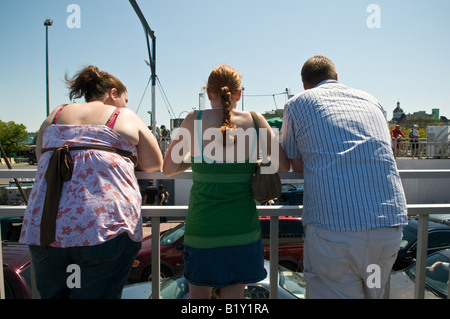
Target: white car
[[291, 285], [436, 281]]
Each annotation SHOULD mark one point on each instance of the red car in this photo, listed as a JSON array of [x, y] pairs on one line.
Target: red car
[[16, 270], [290, 241], [290, 249]]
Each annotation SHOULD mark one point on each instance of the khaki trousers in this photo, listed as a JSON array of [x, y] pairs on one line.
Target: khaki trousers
[[350, 265]]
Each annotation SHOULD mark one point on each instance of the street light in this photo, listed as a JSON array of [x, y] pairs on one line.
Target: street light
[[47, 23]]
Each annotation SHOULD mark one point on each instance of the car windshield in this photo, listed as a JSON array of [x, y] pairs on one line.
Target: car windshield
[[409, 236], [291, 187], [178, 287], [437, 275], [172, 235], [292, 282], [174, 288]]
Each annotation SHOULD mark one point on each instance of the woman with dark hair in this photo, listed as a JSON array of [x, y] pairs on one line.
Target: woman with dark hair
[[163, 195], [84, 209], [223, 235]]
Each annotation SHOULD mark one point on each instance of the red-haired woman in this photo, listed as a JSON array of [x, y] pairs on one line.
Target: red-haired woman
[[223, 235]]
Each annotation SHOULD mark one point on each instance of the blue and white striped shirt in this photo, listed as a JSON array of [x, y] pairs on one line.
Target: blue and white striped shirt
[[351, 177]]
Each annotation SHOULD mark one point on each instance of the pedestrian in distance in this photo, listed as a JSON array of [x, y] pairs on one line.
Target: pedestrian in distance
[[165, 139], [414, 140], [396, 138], [151, 194], [163, 199]]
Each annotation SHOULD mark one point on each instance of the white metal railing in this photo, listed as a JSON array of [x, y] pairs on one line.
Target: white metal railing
[[425, 149], [155, 212]]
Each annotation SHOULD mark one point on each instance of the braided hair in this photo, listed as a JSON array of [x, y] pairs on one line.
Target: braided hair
[[225, 82]]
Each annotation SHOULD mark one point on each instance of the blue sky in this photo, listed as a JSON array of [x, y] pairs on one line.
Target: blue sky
[[406, 59]]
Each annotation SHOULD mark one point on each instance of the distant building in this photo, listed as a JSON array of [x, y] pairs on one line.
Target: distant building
[[273, 113], [435, 114], [398, 114], [31, 138]]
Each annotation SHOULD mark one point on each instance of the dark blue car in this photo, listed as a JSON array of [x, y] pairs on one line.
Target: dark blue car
[[11, 227], [438, 239], [291, 194]]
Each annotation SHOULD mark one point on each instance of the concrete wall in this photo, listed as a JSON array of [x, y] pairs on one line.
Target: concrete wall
[[182, 190], [424, 190], [418, 191]]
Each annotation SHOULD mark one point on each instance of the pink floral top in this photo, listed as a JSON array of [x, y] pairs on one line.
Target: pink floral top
[[101, 201]]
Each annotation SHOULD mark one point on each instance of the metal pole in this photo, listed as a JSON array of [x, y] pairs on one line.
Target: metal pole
[[421, 256], [46, 69], [24, 196], [153, 110], [156, 254], [448, 286], [47, 23], [152, 57], [151, 64], [273, 276], [2, 275], [153, 67]]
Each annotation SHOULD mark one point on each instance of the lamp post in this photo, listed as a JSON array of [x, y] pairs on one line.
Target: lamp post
[[47, 23]]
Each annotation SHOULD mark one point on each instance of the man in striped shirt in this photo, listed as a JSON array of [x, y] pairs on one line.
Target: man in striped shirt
[[354, 204]]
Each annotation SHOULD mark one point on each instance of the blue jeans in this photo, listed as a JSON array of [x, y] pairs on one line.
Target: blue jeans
[[224, 266], [103, 269]]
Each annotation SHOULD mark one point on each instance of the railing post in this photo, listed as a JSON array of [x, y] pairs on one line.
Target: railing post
[[448, 286], [156, 282], [2, 284], [273, 277], [421, 256]]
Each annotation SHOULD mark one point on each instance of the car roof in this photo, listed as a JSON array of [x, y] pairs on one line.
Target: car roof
[[413, 223], [11, 218], [440, 218], [137, 290], [15, 255], [282, 218], [445, 252]]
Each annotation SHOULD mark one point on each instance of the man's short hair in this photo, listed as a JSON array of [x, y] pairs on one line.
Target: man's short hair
[[318, 69]]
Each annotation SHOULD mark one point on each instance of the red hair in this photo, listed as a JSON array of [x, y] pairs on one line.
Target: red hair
[[225, 82]]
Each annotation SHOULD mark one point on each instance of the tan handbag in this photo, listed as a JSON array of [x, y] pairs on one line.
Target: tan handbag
[[264, 186]]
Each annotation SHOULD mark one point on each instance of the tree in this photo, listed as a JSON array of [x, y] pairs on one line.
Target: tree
[[11, 134], [422, 121]]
